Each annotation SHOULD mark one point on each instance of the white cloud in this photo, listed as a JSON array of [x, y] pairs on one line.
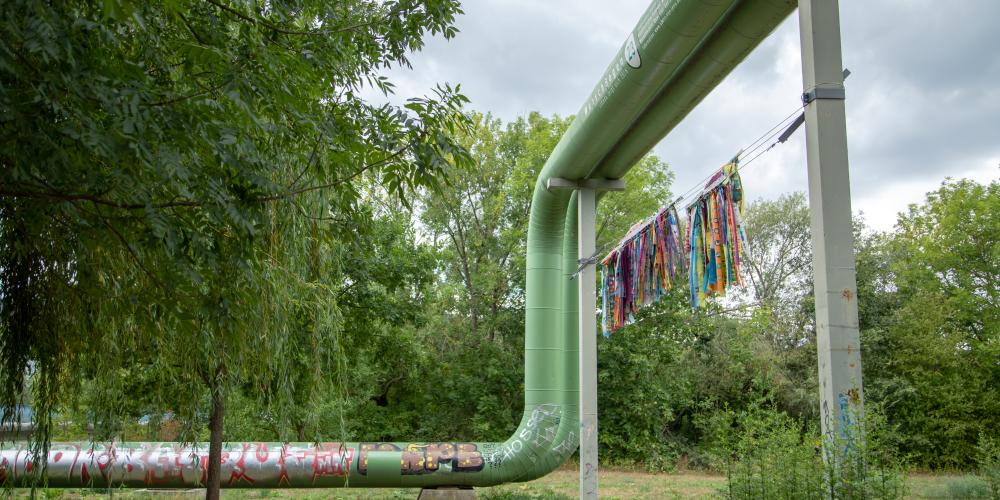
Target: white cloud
[[923, 103]]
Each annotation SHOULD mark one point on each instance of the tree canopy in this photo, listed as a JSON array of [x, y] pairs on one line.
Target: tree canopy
[[181, 181]]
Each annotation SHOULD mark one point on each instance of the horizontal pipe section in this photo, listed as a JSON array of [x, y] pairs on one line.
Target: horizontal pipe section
[[747, 26], [668, 32]]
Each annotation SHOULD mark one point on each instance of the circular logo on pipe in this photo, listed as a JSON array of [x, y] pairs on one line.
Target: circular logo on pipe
[[632, 51]]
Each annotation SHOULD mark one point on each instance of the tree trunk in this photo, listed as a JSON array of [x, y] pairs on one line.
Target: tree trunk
[[215, 428]]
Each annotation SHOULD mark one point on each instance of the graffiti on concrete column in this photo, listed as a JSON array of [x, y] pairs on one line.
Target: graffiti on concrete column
[[426, 458]]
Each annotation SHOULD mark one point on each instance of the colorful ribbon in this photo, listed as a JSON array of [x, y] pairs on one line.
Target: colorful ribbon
[[639, 271], [716, 240]]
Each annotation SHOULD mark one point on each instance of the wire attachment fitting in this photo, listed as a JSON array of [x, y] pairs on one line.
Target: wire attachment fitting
[[583, 263], [826, 92]]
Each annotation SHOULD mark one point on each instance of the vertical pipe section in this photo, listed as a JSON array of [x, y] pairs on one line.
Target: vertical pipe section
[[567, 435], [586, 206], [837, 339]]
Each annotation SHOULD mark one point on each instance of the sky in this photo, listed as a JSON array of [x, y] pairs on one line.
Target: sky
[[923, 99]]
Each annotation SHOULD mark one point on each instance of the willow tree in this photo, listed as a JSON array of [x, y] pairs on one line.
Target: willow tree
[[169, 176]]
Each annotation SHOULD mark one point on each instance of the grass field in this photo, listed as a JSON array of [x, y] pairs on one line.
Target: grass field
[[561, 484]]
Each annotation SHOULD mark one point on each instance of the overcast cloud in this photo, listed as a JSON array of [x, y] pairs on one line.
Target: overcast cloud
[[923, 98]]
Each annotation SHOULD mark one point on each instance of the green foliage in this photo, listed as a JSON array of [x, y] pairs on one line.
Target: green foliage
[[781, 249], [665, 380], [941, 323], [927, 312], [181, 189], [768, 456], [643, 386], [480, 222], [380, 292], [988, 460], [868, 466], [968, 487], [647, 189]]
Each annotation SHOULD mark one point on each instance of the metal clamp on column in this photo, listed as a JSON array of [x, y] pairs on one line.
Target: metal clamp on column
[[826, 91], [831, 92]]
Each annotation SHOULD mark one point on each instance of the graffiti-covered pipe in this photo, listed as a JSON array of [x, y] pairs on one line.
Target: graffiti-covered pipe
[[678, 52], [546, 437]]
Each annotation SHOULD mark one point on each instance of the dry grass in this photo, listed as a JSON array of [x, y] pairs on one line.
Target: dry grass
[[561, 484]]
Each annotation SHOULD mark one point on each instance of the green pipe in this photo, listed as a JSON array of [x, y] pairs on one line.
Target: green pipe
[[747, 26], [678, 52], [664, 37]]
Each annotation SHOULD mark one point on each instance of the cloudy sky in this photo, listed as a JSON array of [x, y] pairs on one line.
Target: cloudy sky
[[923, 98]]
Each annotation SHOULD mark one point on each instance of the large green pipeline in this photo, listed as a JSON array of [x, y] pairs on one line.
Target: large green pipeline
[[678, 52]]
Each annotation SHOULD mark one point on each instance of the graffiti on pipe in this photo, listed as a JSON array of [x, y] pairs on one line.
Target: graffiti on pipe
[[567, 446], [328, 460], [426, 458], [538, 432], [170, 465]]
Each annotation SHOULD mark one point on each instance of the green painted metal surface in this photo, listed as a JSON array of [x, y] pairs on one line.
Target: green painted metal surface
[[678, 52]]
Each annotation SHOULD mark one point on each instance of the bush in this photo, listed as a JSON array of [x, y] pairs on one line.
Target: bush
[[769, 456], [868, 467], [989, 464], [968, 487]]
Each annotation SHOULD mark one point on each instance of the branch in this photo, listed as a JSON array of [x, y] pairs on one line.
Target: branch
[[191, 29], [475, 215], [296, 192], [312, 158], [60, 196], [279, 29], [343, 291], [128, 247], [303, 213], [208, 90], [54, 195]]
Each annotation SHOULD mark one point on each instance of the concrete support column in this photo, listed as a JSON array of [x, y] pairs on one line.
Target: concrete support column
[[837, 337], [586, 206], [586, 210]]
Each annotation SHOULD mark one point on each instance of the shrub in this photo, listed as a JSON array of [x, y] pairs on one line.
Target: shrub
[[989, 464], [868, 466], [968, 487], [769, 456]]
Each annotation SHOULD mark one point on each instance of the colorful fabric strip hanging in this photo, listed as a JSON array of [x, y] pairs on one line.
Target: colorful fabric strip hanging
[[641, 268], [717, 245]]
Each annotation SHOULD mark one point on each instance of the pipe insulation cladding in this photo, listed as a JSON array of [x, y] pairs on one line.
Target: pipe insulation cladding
[[678, 52]]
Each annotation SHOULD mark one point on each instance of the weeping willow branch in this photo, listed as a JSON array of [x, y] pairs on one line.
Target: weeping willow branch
[[53, 194]]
